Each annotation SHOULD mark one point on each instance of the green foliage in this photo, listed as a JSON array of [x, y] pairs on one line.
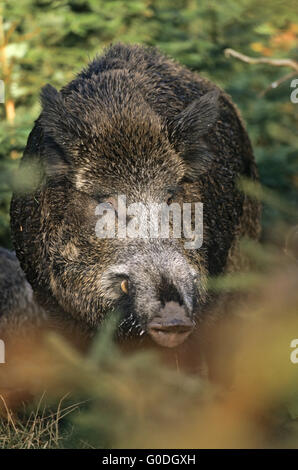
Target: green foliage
[[49, 41]]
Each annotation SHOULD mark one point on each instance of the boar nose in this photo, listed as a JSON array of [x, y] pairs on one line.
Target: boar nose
[[172, 327]]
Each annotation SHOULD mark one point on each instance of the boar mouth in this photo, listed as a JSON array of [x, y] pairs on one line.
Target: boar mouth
[[170, 334]]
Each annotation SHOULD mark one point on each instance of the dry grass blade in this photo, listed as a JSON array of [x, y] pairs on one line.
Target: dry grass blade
[[41, 429]]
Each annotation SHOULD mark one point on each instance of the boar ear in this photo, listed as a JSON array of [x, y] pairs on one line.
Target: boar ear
[[199, 117], [189, 128], [53, 108], [50, 97], [53, 119]]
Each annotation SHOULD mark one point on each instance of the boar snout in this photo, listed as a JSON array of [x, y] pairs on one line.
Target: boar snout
[[171, 327]]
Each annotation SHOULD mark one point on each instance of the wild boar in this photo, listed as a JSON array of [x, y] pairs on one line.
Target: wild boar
[[133, 123]]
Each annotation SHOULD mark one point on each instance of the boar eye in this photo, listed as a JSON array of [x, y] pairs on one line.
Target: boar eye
[[124, 286], [170, 196], [107, 205], [172, 193], [104, 199]]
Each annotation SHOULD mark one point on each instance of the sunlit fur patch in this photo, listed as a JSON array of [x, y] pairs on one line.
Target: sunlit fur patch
[[80, 179], [70, 251]]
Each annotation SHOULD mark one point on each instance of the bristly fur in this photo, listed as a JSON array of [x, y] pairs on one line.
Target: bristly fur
[[132, 122], [18, 308]]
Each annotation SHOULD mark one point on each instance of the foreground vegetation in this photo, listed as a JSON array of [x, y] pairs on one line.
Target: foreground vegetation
[[107, 399]]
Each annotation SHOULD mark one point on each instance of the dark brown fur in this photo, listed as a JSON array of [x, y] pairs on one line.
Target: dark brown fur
[[136, 123]]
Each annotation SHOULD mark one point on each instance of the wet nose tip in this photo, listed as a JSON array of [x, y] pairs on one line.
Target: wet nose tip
[[170, 334]]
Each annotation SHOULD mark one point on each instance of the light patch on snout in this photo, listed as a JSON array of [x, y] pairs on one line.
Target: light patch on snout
[[183, 275], [110, 282]]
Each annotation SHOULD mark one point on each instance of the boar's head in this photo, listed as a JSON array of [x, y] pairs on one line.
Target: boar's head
[[100, 140]]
